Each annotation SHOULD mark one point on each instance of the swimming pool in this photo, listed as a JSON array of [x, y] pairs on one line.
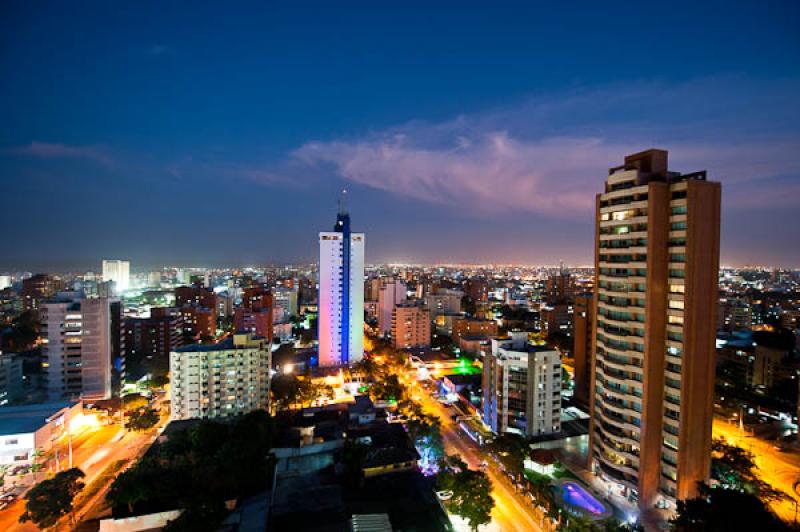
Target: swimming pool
[[577, 498]]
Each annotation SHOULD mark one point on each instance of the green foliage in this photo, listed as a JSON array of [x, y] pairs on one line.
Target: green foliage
[[722, 510], [388, 388], [141, 420], [197, 470], [472, 499], [51, 499], [134, 401], [736, 468]]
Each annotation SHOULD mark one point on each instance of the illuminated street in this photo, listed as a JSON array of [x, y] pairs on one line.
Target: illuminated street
[[780, 469], [94, 449], [511, 511]]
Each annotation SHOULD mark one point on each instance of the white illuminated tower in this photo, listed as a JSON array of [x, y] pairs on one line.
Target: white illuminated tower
[[118, 271], [341, 294]]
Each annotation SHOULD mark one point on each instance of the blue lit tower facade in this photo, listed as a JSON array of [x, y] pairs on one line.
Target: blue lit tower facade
[[341, 294]]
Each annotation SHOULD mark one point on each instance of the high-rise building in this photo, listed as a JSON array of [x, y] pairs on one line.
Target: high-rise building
[[391, 293], [225, 379], [411, 326], [341, 294], [656, 270], [11, 383], [286, 298], [154, 337], [37, 288], [582, 347], [5, 281], [118, 271], [522, 387], [198, 306], [734, 314], [77, 351]]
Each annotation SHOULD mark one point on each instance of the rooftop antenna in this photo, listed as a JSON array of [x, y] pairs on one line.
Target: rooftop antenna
[[342, 202]]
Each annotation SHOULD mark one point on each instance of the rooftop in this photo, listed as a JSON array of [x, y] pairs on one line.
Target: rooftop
[[29, 418], [225, 345]]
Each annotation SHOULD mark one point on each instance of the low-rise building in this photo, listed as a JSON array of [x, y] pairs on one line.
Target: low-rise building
[[26, 430]]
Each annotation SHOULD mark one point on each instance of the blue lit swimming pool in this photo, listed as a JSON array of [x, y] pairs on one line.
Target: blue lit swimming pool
[[578, 499]]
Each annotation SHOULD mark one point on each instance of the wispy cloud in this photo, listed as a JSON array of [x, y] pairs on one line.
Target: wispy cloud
[[549, 155], [48, 150]]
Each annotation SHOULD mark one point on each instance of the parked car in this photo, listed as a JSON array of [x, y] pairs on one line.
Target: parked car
[[444, 495]]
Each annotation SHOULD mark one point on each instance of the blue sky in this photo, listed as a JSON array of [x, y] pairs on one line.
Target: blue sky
[[196, 134]]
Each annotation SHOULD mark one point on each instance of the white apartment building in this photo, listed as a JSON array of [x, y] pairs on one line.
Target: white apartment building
[[118, 271], [392, 293], [220, 380], [444, 301], [522, 387], [78, 358], [341, 295], [285, 298]]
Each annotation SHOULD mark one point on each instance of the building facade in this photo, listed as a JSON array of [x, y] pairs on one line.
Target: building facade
[[391, 293], [411, 326], [77, 347], [656, 271], [220, 380], [582, 346], [341, 294], [118, 271], [522, 387]]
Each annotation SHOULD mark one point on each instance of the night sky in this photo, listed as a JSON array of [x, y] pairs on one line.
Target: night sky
[[177, 133]]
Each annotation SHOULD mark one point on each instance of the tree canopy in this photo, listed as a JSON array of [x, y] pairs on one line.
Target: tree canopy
[[50, 500], [472, 491], [723, 510], [198, 469]]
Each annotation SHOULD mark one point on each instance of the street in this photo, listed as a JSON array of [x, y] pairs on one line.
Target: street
[[93, 450], [780, 469], [511, 511]]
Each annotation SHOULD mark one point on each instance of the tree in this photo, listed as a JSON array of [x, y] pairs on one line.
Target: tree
[[720, 510], [735, 467], [134, 401], [50, 500], [388, 389], [141, 420], [472, 497], [285, 390], [425, 432]]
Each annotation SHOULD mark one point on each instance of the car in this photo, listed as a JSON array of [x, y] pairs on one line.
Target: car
[[444, 495]]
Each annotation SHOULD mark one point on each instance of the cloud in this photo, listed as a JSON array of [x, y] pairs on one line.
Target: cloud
[[47, 150], [549, 156]]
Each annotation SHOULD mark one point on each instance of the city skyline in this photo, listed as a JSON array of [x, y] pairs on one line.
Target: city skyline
[[482, 123]]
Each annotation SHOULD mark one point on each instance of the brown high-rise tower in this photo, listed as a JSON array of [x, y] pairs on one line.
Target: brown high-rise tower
[[656, 267]]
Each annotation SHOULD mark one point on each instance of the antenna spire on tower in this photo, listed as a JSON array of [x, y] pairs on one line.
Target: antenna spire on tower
[[342, 202]]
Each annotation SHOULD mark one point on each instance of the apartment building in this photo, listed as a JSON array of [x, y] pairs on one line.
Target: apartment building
[[411, 326], [79, 350], [220, 380], [656, 270], [522, 387]]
